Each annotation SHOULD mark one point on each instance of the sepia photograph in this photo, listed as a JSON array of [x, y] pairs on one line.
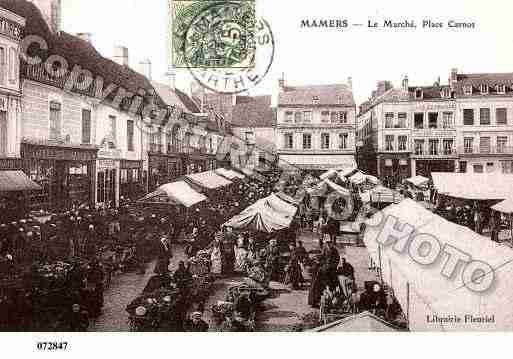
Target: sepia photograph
[[194, 166]]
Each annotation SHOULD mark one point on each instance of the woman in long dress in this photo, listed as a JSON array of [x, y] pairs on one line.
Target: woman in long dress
[[216, 259], [241, 256]]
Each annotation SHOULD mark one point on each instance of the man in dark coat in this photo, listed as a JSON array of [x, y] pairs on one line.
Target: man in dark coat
[[164, 256]]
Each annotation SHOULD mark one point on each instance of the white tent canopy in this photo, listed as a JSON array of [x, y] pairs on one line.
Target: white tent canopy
[[360, 177], [176, 192], [209, 180], [422, 290], [505, 206], [418, 181], [230, 174], [475, 186]]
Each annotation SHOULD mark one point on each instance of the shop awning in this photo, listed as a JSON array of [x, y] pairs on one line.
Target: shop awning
[[319, 162], [474, 186], [418, 181], [177, 193], [14, 181], [208, 180]]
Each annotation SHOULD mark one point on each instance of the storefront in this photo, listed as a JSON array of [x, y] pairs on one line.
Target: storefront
[[394, 166], [65, 173], [426, 167], [107, 189], [197, 163], [163, 169], [130, 179]]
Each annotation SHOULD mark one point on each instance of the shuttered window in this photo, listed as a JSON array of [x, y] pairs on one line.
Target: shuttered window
[[55, 120], [130, 135]]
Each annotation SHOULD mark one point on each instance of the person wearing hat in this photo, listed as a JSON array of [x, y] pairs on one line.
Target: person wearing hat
[[196, 323], [164, 256]]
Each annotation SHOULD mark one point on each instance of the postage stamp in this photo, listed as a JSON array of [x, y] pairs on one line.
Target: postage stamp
[[213, 34]]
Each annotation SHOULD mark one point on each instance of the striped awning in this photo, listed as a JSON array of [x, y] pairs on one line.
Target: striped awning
[[14, 181]]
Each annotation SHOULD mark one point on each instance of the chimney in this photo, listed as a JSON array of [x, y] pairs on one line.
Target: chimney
[[382, 88], [454, 78], [405, 84], [145, 68], [86, 36], [51, 11], [121, 55], [350, 82], [281, 83]]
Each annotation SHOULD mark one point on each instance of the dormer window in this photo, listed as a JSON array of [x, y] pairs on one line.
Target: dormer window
[[315, 100], [501, 89], [419, 94], [446, 92], [467, 90], [484, 89]]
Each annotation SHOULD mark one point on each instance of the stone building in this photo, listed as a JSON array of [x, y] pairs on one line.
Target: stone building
[[316, 126]]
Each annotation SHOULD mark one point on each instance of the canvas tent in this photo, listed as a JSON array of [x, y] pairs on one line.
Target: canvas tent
[[505, 206], [177, 193], [423, 291], [229, 174], [362, 322], [360, 177], [418, 181], [381, 194], [267, 215], [474, 186], [208, 180]]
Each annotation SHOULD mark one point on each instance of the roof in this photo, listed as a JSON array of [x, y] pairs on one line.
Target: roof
[[490, 79], [13, 181], [175, 97], [253, 112], [177, 193], [328, 95], [76, 51]]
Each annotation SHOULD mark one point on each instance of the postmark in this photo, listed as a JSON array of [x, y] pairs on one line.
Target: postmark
[[213, 34]]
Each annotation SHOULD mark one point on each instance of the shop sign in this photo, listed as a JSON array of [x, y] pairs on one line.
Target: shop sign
[[403, 163], [434, 133], [435, 106], [107, 164], [56, 153], [388, 163], [126, 165], [3, 103], [109, 153], [10, 164], [11, 29]]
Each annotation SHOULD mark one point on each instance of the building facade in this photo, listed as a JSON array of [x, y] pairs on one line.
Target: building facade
[[316, 126], [455, 127]]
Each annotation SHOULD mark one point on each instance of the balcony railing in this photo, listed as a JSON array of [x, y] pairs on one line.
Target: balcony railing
[[439, 151], [486, 150]]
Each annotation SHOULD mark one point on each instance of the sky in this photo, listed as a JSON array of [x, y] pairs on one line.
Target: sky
[[323, 56]]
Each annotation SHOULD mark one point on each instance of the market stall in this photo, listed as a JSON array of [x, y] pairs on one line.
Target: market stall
[[208, 180], [418, 187], [474, 186], [506, 207], [425, 291], [229, 174], [179, 193]]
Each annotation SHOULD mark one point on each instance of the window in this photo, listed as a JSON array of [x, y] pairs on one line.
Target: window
[[501, 115], [433, 119], [342, 116], [484, 116], [3, 133], [419, 121], [447, 120], [389, 142], [13, 57], [468, 117], [389, 120], [467, 90], [502, 144], [419, 147], [507, 167], [298, 117], [463, 166], [325, 116], [490, 167], [86, 126], [501, 89], [307, 116], [484, 89], [3, 66], [402, 141], [130, 136], [289, 141], [315, 100], [325, 141], [478, 168], [468, 144], [419, 94], [401, 120], [446, 92], [55, 120], [343, 141], [307, 141], [433, 147], [484, 145], [448, 144], [334, 117], [112, 132], [289, 115]]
